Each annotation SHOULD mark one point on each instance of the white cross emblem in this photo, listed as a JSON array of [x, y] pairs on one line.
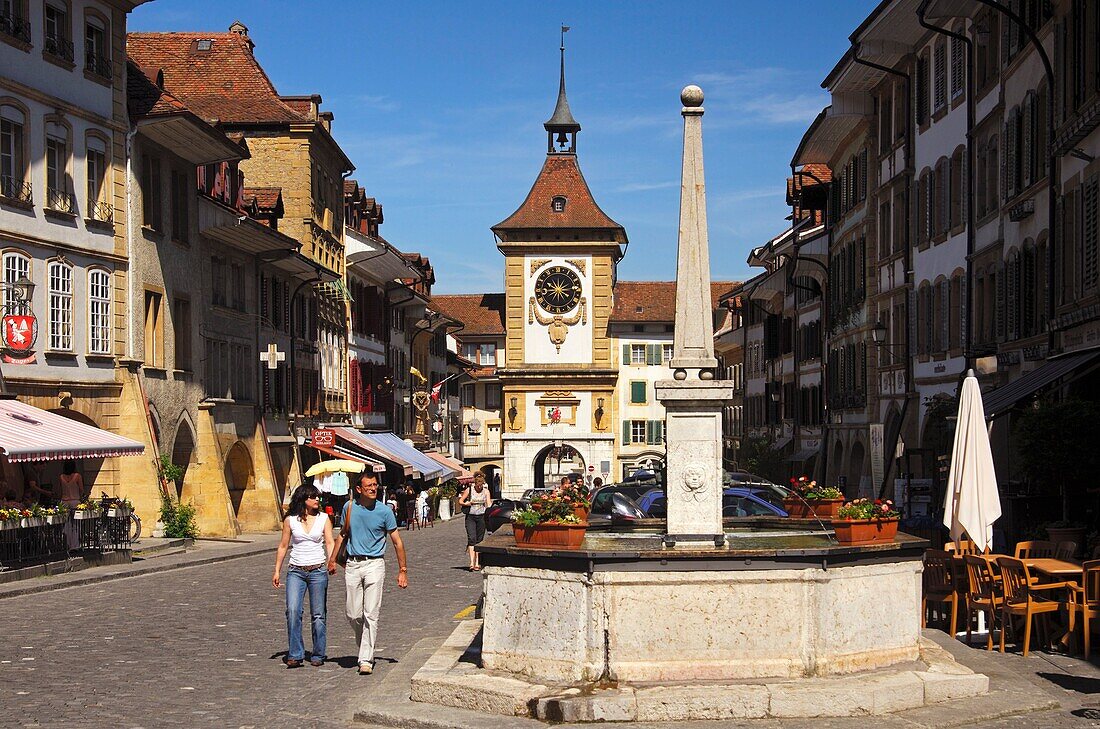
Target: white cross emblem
[[272, 356]]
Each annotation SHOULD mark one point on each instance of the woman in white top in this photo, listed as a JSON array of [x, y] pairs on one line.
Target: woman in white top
[[307, 533], [477, 498]]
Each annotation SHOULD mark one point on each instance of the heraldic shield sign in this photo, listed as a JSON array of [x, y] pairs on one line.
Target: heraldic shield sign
[[20, 334]]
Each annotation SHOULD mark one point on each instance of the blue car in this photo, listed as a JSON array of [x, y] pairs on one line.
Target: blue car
[[735, 502]]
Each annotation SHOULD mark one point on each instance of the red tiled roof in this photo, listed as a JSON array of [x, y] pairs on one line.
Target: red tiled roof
[[224, 83], [654, 301], [145, 99], [483, 314], [350, 187], [560, 176], [267, 198]]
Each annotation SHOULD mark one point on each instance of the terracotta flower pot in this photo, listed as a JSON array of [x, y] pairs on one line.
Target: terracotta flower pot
[[581, 512], [548, 536], [797, 509], [865, 531], [826, 508]]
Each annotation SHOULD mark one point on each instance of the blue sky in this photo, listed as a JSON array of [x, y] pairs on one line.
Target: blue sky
[[440, 106]]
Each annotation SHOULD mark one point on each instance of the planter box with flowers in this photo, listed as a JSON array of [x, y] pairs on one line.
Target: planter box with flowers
[[9, 519], [86, 510], [866, 522], [550, 521], [810, 500]]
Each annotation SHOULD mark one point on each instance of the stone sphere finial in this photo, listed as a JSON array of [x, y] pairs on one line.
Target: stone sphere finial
[[692, 96]]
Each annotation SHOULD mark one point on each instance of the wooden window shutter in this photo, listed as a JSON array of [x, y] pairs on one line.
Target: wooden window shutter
[[1090, 231], [626, 432], [653, 354], [863, 175], [945, 315], [958, 67], [263, 297], [626, 354], [638, 392]]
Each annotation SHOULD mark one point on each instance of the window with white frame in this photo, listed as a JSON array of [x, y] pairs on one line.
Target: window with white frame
[[96, 155], [488, 354], [16, 266], [99, 311], [637, 354], [96, 50], [58, 196], [469, 351], [637, 431], [60, 280], [666, 353]]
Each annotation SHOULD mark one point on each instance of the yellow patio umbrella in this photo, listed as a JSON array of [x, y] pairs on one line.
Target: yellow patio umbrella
[[334, 466]]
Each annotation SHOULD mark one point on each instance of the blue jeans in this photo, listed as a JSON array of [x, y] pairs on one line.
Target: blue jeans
[[297, 582]]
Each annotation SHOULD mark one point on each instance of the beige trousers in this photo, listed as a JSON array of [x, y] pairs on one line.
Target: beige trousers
[[364, 580]]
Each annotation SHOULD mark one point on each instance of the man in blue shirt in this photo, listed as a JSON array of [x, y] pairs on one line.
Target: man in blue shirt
[[367, 521]]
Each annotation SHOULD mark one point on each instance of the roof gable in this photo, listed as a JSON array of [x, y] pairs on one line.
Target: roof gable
[[654, 301], [482, 314]]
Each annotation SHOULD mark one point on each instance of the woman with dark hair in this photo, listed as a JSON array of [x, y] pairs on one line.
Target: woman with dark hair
[[72, 485], [307, 533]]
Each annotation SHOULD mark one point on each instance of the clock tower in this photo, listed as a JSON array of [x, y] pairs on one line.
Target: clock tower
[[558, 383]]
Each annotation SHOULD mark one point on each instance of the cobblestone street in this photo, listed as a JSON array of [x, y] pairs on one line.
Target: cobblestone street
[[203, 646]]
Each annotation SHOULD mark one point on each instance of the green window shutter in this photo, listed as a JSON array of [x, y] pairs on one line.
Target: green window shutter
[[626, 432], [626, 354], [660, 427], [649, 432], [637, 392], [653, 354]]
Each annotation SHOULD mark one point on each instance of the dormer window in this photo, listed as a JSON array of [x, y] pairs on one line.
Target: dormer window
[[558, 204], [204, 45]]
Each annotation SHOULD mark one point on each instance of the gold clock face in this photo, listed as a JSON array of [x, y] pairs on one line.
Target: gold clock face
[[558, 289]]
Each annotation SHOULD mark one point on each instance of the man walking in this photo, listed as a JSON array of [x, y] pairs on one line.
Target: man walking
[[365, 527]]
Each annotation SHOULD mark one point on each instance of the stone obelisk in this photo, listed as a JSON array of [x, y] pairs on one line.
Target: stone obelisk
[[693, 400]]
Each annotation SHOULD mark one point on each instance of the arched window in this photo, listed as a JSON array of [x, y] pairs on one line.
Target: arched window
[[16, 265], [60, 281], [97, 48], [992, 174], [99, 207], [99, 311], [13, 158], [58, 191]]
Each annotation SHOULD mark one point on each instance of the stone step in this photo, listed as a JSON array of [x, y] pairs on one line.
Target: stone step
[[152, 547]]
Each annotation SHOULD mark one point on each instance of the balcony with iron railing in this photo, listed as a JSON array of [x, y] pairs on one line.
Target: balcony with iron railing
[[98, 65], [60, 201], [101, 212], [59, 48], [15, 189], [15, 27]]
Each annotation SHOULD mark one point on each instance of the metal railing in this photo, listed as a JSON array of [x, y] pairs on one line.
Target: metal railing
[[60, 47], [60, 201], [15, 188], [98, 64], [15, 27], [101, 211]]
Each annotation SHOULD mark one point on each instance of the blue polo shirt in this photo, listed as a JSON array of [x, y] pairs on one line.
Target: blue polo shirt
[[369, 528]]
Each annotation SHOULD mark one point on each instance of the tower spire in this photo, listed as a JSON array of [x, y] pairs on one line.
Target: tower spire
[[562, 128]]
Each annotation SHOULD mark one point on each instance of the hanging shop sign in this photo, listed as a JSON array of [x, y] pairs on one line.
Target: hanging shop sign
[[19, 335]]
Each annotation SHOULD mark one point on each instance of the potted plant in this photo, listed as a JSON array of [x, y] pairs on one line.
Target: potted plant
[[56, 514], [577, 492], [447, 493], [32, 517], [866, 522], [121, 509], [809, 499], [9, 519], [549, 521], [88, 509]]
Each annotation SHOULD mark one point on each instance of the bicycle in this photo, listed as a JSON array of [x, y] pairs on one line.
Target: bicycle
[[133, 522]]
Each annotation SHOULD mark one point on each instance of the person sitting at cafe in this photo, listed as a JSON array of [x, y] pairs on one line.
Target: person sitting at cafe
[[35, 491]]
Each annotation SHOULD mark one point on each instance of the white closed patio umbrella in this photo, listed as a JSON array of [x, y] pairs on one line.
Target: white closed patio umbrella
[[972, 503]]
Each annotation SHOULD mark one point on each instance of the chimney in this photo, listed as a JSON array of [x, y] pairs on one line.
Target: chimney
[[242, 30]]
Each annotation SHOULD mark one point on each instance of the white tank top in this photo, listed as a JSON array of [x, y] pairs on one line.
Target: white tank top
[[307, 548]]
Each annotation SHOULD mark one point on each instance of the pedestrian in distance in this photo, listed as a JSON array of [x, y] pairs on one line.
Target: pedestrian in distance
[[366, 524], [476, 500], [307, 533]]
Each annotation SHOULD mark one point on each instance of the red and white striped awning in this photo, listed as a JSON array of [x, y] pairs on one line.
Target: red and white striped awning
[[28, 433]]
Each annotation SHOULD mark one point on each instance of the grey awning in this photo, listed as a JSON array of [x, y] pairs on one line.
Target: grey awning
[[803, 455], [999, 401], [770, 291]]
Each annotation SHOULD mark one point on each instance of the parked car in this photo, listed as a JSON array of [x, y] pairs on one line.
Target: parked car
[[735, 502], [608, 504], [500, 513], [747, 480], [632, 490]]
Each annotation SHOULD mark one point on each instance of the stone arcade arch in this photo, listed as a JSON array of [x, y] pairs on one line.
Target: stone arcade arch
[[239, 475], [553, 462], [183, 451]]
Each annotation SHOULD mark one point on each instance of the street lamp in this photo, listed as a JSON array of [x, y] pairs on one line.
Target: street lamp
[[23, 288], [878, 335]]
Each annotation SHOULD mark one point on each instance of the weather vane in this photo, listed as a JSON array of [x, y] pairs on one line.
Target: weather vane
[[564, 30]]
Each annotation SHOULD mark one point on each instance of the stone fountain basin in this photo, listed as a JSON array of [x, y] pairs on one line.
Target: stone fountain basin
[[779, 600]]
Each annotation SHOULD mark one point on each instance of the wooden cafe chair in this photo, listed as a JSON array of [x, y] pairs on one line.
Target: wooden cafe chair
[[938, 586], [1023, 598], [1085, 600], [966, 546], [983, 595], [1065, 550], [1035, 550]]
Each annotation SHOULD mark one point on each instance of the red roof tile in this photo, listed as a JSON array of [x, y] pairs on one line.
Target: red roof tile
[[225, 83], [560, 176], [483, 314], [267, 198], [654, 301], [145, 99]]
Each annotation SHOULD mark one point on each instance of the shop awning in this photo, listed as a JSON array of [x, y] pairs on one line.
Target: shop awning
[[771, 290], [340, 451], [803, 455], [463, 474], [30, 434], [389, 447], [999, 401]]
